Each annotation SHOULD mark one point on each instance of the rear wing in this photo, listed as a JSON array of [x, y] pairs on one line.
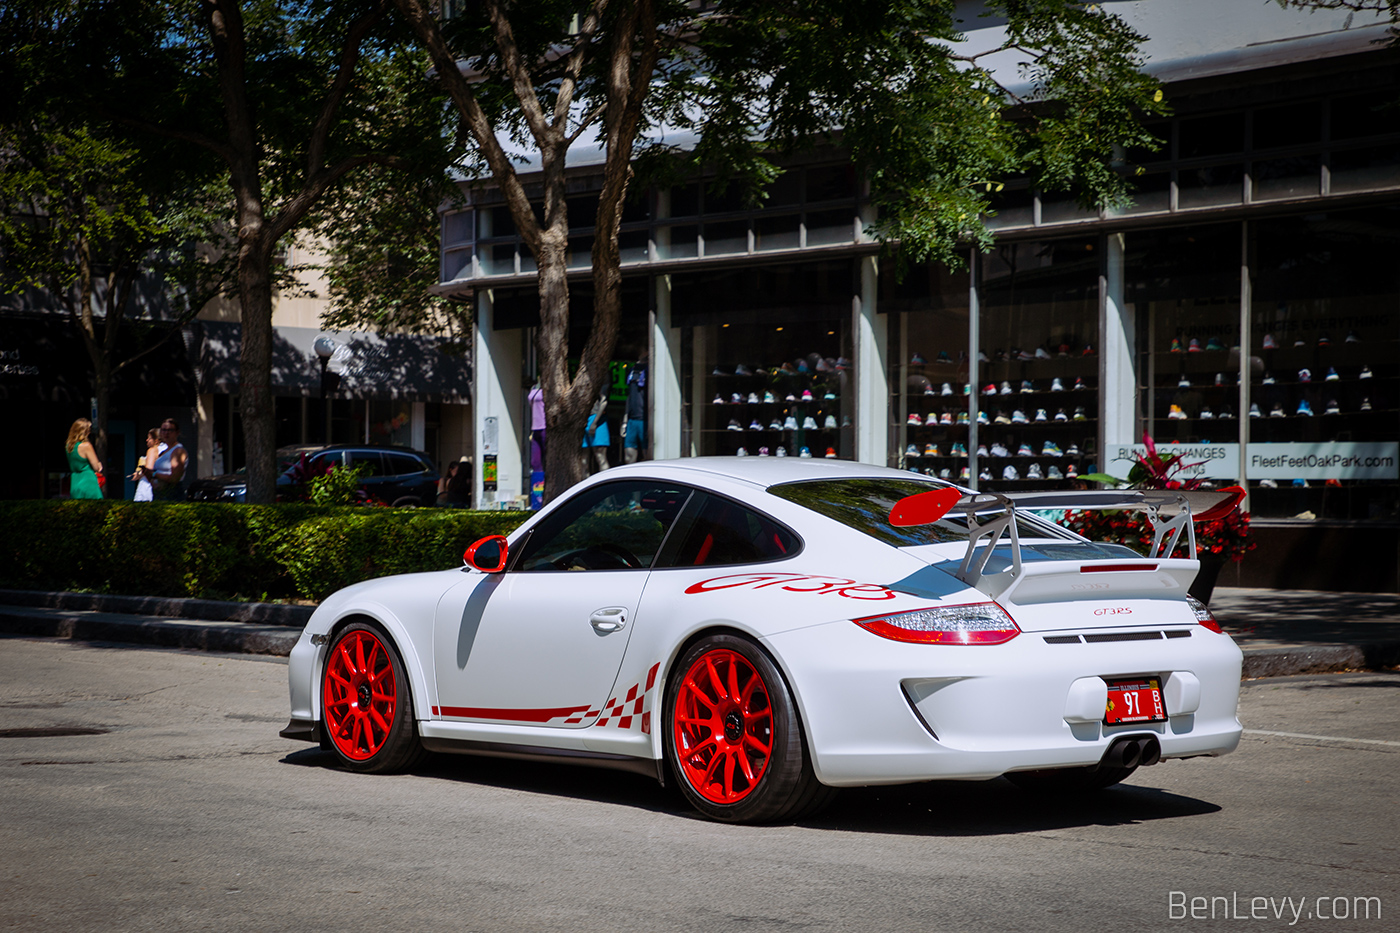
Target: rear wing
[[1169, 512]]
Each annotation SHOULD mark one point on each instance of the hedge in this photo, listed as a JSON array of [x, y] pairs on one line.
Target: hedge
[[222, 551]]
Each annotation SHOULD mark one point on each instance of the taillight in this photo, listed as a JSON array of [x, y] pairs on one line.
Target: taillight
[[1204, 615], [976, 624]]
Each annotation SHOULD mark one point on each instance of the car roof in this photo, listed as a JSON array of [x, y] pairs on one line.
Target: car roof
[[762, 472]]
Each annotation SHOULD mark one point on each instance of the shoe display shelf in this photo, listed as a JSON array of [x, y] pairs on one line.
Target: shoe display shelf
[[756, 409], [1317, 390], [1195, 392]]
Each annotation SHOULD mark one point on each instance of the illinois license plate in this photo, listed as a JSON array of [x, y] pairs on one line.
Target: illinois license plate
[[1134, 701]]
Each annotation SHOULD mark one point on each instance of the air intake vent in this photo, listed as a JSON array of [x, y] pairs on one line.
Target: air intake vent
[[1123, 636]]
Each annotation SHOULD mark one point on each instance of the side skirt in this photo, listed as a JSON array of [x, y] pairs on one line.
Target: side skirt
[[652, 768]]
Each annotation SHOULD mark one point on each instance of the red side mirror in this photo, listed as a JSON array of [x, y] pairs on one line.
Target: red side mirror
[[924, 508], [487, 555]]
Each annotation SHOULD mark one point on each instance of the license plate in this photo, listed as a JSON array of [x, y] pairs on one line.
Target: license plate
[[1134, 701]]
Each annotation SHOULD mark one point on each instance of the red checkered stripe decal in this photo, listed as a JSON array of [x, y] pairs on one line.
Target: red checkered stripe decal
[[620, 714]]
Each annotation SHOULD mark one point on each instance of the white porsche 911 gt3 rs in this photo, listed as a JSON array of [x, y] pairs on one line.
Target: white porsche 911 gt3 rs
[[767, 630]]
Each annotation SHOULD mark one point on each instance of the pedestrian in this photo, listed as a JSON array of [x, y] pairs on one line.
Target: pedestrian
[[634, 425], [459, 485], [86, 469], [145, 492], [168, 469], [537, 427], [595, 434]]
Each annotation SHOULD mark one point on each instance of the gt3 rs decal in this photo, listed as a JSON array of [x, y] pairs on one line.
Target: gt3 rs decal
[[618, 713], [794, 583]]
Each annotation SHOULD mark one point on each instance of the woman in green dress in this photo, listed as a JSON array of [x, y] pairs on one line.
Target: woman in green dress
[[82, 462]]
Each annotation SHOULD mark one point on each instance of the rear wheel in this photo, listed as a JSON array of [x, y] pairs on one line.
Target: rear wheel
[[733, 736], [366, 703], [1068, 780]]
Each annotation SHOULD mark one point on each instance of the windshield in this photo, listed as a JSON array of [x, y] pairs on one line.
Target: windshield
[[864, 504]]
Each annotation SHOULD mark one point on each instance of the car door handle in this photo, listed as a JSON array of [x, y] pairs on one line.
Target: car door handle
[[607, 621]]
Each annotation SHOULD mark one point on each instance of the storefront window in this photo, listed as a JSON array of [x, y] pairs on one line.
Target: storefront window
[[1038, 397], [1324, 418]]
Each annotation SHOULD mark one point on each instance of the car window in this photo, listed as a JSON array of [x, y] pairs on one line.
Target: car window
[[401, 464], [372, 460], [322, 462], [864, 504], [725, 532], [614, 526]]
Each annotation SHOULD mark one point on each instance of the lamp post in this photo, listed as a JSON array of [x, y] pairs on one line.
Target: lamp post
[[325, 348]]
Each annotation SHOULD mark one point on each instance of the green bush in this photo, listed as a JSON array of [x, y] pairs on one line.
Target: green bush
[[219, 551]]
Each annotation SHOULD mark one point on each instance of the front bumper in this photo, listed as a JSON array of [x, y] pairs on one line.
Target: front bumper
[[883, 712]]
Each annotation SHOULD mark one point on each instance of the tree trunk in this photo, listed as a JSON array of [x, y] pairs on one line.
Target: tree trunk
[[255, 372]]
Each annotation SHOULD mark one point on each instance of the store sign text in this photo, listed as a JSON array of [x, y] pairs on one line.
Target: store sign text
[[1343, 460]]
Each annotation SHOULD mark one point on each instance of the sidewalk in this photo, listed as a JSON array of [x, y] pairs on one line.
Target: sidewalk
[[1281, 631]]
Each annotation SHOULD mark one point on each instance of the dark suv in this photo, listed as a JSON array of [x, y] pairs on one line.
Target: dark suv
[[395, 475]]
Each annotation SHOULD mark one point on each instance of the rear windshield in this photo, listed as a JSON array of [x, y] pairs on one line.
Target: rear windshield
[[864, 504]]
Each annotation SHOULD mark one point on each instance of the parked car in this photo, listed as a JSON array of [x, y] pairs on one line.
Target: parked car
[[399, 476], [762, 631]]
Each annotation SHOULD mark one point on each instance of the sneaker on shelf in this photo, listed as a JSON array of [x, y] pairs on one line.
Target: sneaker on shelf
[[1033, 472], [805, 453], [1079, 385], [957, 450], [790, 397], [1278, 412], [1006, 388], [1305, 375], [1040, 415], [807, 395], [1061, 416], [1365, 373], [1206, 414], [947, 389], [918, 359], [1324, 341], [946, 418], [1269, 342], [1080, 414], [1214, 344], [1176, 414], [982, 450], [931, 450], [802, 366], [990, 389], [1027, 386], [1365, 405], [763, 451], [1304, 409], [1087, 351], [1071, 472], [985, 476], [753, 398], [718, 372], [845, 421], [1352, 337], [1220, 379], [1021, 355], [790, 423], [945, 473], [1025, 451], [1332, 375], [775, 425], [1268, 483], [1051, 449], [962, 417], [1176, 345], [999, 450], [1056, 385], [830, 453], [1019, 417], [982, 418], [768, 398], [1332, 408], [742, 370], [830, 423], [1194, 346], [911, 451], [755, 426], [1010, 472], [1268, 379], [965, 474], [734, 425], [830, 396], [719, 400], [1001, 417], [982, 357], [1054, 473], [809, 423], [1254, 410], [914, 420], [967, 388], [742, 452], [999, 354], [1300, 342], [1062, 349], [1184, 382], [782, 452], [1072, 450], [1041, 353]]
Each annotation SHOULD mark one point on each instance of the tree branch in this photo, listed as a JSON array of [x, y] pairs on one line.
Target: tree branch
[[345, 72]]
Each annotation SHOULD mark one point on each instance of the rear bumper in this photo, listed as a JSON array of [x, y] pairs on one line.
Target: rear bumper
[[884, 712]]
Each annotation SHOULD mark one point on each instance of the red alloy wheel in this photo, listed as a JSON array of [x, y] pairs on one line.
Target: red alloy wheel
[[360, 695], [723, 727]]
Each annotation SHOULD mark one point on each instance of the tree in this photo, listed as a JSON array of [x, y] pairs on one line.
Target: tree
[[289, 99], [87, 224], [929, 123]]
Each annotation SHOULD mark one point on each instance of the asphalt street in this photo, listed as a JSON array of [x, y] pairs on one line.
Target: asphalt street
[[147, 789]]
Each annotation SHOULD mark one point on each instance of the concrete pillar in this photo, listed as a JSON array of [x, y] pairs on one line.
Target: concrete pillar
[[664, 377], [204, 434], [871, 332], [1117, 338], [418, 426], [498, 406]]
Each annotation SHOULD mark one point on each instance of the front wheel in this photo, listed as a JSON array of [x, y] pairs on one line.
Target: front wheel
[[366, 702], [733, 736]]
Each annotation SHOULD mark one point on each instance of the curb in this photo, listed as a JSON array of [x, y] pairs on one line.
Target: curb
[[1281, 662], [86, 625], [210, 610]]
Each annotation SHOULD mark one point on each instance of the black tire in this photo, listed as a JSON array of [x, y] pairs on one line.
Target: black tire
[[407, 502], [784, 787], [1068, 780], [367, 717]]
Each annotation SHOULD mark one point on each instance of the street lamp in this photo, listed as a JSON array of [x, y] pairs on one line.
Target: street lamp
[[325, 347]]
